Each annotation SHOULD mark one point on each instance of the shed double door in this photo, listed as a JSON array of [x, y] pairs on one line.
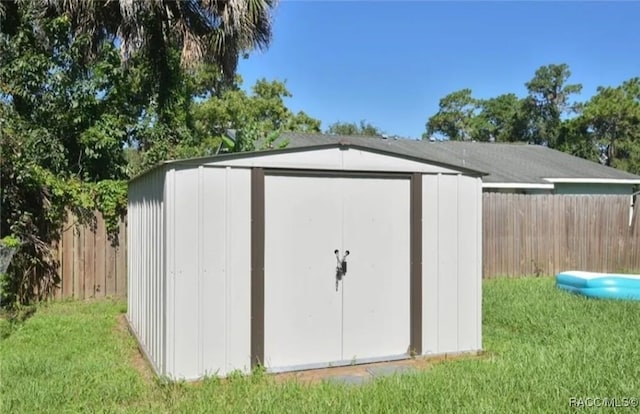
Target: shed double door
[[308, 320]]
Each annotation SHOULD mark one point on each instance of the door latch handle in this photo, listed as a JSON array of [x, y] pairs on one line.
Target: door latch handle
[[341, 267]]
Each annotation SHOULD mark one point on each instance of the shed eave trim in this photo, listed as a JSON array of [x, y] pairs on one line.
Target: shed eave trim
[[594, 180], [539, 186]]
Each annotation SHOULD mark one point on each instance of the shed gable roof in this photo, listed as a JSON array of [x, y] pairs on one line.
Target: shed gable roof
[[502, 162], [257, 158]]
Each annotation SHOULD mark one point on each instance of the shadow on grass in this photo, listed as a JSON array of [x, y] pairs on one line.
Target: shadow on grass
[[11, 319]]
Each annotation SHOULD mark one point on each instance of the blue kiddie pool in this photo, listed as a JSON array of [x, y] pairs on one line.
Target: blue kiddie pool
[[600, 285]]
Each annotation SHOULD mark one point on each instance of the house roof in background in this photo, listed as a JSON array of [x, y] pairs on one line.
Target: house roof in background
[[515, 165]]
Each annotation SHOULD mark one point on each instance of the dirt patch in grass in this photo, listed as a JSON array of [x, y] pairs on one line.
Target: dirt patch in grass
[[420, 363], [138, 360]]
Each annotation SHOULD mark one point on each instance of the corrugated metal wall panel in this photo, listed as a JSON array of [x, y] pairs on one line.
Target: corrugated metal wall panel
[[430, 270], [160, 272], [238, 274], [452, 263], [186, 336], [145, 263], [144, 271], [468, 277], [213, 248], [132, 224], [479, 264], [210, 231], [448, 261], [170, 240]]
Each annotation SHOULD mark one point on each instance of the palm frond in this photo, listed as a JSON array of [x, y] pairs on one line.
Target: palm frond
[[203, 28]]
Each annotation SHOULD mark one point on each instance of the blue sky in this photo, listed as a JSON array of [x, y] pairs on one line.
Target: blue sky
[[390, 62]]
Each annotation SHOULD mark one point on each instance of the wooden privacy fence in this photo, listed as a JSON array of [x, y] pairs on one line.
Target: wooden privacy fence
[[547, 234], [90, 266], [523, 235]]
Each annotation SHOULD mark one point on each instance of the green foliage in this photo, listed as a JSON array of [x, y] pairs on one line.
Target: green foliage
[[75, 122], [257, 118], [612, 118], [251, 139], [548, 101], [301, 122], [201, 31], [500, 119], [77, 114], [10, 241], [548, 87], [536, 118], [604, 129], [576, 139], [455, 118], [110, 199], [35, 204], [463, 117], [8, 245], [63, 123], [351, 128]]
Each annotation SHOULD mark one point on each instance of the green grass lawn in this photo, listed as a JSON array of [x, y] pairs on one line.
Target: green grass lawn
[[543, 348]]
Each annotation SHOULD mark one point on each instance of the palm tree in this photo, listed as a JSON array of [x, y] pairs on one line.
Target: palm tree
[[206, 31]]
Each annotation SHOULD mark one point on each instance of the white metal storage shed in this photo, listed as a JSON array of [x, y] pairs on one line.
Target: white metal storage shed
[[232, 260]]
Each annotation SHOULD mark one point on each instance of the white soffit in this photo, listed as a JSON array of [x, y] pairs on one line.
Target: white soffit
[[519, 185], [593, 180]]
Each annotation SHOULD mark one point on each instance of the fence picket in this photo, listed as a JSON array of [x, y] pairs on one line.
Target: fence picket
[[524, 233]]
